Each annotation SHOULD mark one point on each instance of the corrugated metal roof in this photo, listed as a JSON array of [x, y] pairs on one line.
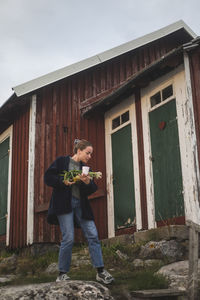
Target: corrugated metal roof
[[99, 58]]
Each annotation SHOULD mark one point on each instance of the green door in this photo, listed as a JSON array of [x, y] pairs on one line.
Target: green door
[[123, 179], [4, 146], [167, 175]]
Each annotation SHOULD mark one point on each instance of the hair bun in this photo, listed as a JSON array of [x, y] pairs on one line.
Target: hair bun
[[76, 141]]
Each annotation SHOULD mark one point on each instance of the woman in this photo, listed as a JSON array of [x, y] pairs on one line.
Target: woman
[[69, 202]]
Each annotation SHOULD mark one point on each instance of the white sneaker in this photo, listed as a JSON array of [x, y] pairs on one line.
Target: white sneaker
[[104, 277], [62, 277]]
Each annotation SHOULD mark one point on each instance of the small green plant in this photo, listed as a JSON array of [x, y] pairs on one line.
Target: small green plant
[[31, 265], [84, 272], [6, 253], [140, 280]]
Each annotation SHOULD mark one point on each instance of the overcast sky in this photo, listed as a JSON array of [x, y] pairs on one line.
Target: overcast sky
[[41, 36]]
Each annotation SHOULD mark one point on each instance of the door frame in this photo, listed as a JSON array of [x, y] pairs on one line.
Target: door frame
[[127, 104], [31, 170], [187, 142], [8, 133]]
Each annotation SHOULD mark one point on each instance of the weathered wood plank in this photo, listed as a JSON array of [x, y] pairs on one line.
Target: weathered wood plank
[[193, 225], [150, 294]]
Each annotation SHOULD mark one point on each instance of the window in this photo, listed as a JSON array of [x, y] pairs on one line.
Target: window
[[167, 92], [123, 118], [116, 122], [162, 95], [155, 99]]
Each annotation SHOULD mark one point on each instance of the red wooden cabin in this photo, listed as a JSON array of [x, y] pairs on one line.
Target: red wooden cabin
[[139, 105]]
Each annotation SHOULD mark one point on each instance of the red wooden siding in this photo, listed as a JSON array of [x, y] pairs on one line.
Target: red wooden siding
[[103, 79], [2, 240], [58, 123], [141, 161], [19, 184]]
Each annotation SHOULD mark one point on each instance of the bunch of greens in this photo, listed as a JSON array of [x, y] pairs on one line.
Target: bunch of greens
[[74, 175]]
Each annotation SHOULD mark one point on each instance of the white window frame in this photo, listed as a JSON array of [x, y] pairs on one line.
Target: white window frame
[[159, 89]]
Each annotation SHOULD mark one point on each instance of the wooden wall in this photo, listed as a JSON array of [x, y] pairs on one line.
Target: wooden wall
[[58, 123], [19, 184]]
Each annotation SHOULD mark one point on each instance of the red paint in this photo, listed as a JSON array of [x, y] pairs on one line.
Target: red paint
[[162, 125]]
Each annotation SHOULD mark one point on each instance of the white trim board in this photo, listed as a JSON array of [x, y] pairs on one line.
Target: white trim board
[[8, 134], [31, 168]]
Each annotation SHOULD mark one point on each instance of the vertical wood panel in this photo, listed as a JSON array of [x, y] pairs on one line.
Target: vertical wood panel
[[141, 161], [18, 213]]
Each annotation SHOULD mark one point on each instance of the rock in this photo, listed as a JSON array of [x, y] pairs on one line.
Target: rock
[[172, 250], [122, 255], [138, 263], [42, 249], [70, 290], [123, 239], [52, 269], [152, 262], [78, 260], [179, 232], [7, 278], [177, 273], [8, 264]]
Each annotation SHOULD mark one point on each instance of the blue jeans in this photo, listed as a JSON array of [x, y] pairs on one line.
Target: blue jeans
[[66, 222]]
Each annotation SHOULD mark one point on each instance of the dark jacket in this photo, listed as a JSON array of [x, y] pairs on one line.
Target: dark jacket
[[60, 202]]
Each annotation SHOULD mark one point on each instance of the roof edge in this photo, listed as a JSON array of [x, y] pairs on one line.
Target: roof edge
[[62, 73], [129, 84]]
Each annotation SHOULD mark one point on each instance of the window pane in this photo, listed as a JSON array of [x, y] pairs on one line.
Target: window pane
[[155, 99], [125, 117], [167, 92], [116, 122]]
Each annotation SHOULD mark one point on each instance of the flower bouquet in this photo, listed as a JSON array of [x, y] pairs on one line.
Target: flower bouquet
[[74, 175]]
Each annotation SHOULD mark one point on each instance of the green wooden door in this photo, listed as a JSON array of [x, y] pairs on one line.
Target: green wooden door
[[123, 179], [166, 162], [4, 146]]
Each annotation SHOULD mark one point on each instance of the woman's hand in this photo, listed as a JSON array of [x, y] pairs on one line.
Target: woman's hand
[[68, 183], [85, 178]]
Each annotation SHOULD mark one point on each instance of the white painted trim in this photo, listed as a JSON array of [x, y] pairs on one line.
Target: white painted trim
[[31, 167], [187, 141], [8, 134], [109, 177], [138, 209], [146, 93], [127, 104], [145, 107]]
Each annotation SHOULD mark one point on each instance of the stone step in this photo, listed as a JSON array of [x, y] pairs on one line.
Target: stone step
[[165, 294]]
